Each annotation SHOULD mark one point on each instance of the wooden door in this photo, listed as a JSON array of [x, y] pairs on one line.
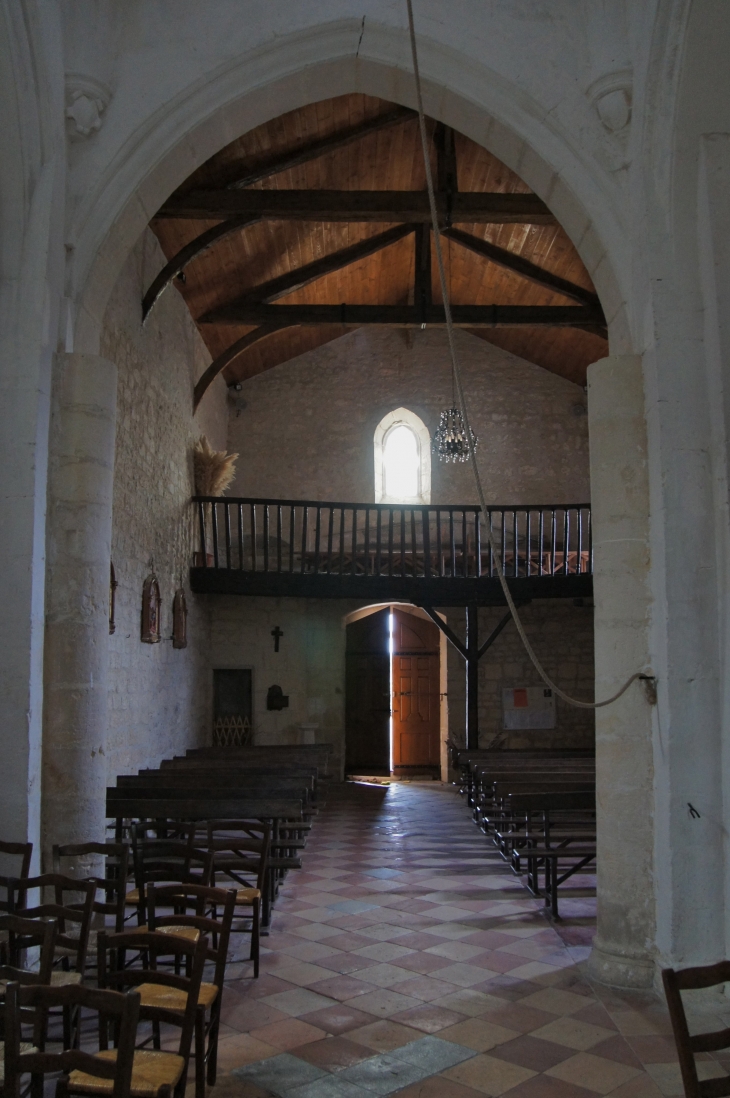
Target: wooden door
[[416, 693], [367, 695]]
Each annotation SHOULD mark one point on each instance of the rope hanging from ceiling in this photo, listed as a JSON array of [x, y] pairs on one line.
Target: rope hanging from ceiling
[[461, 409]]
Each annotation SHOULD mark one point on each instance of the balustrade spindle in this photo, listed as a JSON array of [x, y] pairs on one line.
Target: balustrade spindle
[[292, 526], [579, 524], [330, 537], [541, 545], [353, 562], [426, 543], [253, 537], [227, 529], [305, 517], [214, 526], [378, 540], [278, 538], [266, 537], [342, 540], [390, 541], [203, 539], [478, 543], [528, 542], [566, 539], [452, 542], [239, 517], [317, 533], [402, 542], [553, 538], [414, 545]]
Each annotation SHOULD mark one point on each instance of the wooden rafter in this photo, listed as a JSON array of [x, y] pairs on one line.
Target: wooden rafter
[[207, 378], [380, 206], [302, 276], [314, 149], [187, 254], [405, 316], [522, 267]]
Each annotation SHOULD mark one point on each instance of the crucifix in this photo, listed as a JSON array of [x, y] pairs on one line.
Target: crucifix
[[277, 634]]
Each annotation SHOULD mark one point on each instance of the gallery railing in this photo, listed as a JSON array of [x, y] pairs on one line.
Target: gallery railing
[[306, 537]]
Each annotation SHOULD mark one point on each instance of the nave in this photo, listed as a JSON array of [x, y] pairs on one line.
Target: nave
[[405, 956]]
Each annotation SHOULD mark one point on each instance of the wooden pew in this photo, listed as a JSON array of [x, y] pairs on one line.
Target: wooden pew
[[306, 754]]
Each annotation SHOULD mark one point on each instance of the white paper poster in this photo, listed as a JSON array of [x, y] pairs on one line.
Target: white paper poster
[[528, 707]]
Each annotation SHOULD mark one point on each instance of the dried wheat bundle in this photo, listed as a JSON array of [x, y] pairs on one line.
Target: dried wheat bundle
[[214, 469]]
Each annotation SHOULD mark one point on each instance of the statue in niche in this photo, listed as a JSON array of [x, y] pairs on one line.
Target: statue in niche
[[112, 596], [151, 610], [179, 620]]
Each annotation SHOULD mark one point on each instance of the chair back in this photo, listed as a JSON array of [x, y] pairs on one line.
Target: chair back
[[111, 886], [209, 910], [32, 932], [116, 974], [21, 854], [674, 983], [167, 861], [121, 1010], [73, 916], [240, 850]]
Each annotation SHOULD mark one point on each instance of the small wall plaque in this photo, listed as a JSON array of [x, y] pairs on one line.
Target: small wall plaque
[[179, 620], [276, 698], [151, 602]]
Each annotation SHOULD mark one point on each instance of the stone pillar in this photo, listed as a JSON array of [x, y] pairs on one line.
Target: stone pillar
[[77, 599], [623, 948]]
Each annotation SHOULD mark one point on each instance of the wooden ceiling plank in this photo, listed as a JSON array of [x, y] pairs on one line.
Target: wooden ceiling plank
[[187, 255], [405, 316], [513, 262], [310, 272], [330, 205], [207, 378], [320, 147]]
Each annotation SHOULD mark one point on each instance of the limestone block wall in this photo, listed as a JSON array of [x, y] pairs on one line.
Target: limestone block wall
[[305, 428], [309, 666], [562, 636], [159, 697]]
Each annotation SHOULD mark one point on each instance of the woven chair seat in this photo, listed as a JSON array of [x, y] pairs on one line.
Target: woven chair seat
[[151, 1071], [171, 998], [24, 1047]]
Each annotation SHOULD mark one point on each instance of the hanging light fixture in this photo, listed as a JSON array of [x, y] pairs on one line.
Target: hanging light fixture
[[450, 441]]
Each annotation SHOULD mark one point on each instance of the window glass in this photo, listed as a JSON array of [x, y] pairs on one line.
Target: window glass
[[401, 464]]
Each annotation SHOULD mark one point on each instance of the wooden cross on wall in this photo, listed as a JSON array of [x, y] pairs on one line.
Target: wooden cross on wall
[[277, 634]]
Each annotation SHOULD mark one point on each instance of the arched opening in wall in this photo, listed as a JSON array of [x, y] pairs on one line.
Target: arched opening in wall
[[402, 459], [396, 719]]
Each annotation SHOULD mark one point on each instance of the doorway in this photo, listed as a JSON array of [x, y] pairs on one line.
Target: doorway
[[392, 694]]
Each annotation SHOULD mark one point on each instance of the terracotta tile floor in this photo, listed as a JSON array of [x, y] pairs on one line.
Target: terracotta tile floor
[[406, 957]]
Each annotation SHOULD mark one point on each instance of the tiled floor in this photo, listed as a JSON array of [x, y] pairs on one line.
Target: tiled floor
[[406, 957]]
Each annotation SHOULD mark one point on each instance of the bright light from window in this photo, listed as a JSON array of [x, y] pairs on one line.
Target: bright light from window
[[401, 461]]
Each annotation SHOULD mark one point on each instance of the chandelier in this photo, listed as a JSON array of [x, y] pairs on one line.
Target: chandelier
[[450, 441]]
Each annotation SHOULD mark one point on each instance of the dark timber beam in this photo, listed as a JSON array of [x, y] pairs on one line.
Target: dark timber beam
[[380, 206], [405, 316], [447, 631], [512, 262], [446, 169], [495, 633], [314, 149], [310, 272], [472, 676], [187, 254], [422, 272], [206, 379]]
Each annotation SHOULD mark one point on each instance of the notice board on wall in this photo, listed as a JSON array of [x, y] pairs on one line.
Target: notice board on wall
[[528, 707]]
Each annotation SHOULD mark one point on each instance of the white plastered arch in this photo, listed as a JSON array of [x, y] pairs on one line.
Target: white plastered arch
[[402, 417], [299, 69]]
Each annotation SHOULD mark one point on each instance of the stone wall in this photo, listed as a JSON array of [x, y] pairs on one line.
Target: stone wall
[[305, 429], [561, 633], [309, 666], [160, 697]]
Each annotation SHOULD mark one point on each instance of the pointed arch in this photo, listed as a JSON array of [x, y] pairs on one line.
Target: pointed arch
[[385, 433]]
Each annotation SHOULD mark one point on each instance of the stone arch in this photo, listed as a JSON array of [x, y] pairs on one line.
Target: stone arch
[[290, 73]]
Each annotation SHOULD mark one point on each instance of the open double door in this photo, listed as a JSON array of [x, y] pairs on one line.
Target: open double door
[[394, 677]]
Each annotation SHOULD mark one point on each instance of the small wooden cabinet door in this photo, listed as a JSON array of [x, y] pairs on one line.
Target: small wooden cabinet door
[[416, 693]]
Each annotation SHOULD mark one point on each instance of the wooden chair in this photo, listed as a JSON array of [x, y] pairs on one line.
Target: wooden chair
[[110, 1071], [71, 949], [196, 907], [23, 852], [240, 853], [113, 882], [165, 997], [38, 932], [165, 861], [674, 983]]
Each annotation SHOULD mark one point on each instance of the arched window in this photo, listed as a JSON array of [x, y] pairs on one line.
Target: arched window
[[402, 459]]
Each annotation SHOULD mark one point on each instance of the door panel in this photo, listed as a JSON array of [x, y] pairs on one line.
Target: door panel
[[416, 701], [367, 695]]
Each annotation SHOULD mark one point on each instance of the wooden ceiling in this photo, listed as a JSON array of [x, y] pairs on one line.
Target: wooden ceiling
[[356, 143]]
